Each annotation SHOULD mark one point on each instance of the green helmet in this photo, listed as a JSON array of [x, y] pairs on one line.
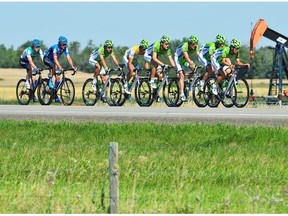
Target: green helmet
[[220, 39], [144, 44], [193, 39], [165, 39], [108, 43], [235, 43]]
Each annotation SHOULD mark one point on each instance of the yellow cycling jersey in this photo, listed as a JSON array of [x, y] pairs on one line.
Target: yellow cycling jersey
[[133, 52]]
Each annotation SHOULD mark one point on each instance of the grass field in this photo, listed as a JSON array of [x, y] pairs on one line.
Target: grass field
[[195, 168], [10, 77]]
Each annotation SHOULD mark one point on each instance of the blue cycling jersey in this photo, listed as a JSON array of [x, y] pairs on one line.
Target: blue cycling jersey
[[55, 50]]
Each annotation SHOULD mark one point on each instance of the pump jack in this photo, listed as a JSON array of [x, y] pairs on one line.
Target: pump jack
[[280, 59]]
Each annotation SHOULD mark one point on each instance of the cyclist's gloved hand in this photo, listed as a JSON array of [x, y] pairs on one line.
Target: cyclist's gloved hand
[[106, 70], [34, 71], [119, 68]]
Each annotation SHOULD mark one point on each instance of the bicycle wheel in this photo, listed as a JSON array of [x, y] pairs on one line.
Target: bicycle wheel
[[143, 93], [44, 93], [241, 96], [67, 92], [171, 93], [88, 95], [117, 94], [22, 93], [227, 99], [198, 93], [211, 99]]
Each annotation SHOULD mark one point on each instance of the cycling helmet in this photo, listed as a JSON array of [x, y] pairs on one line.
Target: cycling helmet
[[36, 43], [220, 39], [108, 43], [62, 40], [193, 39], [235, 43], [144, 44], [165, 39]]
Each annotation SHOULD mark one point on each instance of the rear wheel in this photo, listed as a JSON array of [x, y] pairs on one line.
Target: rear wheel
[[22, 93], [211, 99], [241, 96], [67, 92], [143, 93], [198, 93], [88, 95], [117, 94], [44, 92], [171, 93]]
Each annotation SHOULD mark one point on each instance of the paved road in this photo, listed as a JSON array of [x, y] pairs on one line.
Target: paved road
[[272, 116]]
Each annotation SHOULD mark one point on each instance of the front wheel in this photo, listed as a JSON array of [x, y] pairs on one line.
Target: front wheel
[[22, 93], [241, 96], [67, 92]]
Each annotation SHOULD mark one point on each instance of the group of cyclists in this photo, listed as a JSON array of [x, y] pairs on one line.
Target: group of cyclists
[[218, 59]]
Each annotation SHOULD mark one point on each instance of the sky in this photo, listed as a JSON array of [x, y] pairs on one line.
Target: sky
[[126, 23]]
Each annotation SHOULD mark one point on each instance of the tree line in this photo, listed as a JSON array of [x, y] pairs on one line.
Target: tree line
[[261, 66]]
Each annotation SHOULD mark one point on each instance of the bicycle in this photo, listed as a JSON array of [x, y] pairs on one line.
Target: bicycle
[[24, 95], [90, 97], [193, 85], [140, 91], [168, 86], [235, 93], [66, 88]]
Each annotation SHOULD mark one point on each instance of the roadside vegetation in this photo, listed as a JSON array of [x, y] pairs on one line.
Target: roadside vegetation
[[191, 168]]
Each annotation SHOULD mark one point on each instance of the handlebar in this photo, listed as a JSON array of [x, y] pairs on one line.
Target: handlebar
[[70, 69]]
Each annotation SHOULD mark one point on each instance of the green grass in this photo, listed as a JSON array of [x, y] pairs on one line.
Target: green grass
[[191, 168]]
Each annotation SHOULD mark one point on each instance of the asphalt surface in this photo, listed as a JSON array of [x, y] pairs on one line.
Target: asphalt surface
[[270, 116]]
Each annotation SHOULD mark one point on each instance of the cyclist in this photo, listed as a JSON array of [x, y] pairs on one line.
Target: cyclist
[[130, 60], [153, 52], [51, 56], [26, 61], [97, 60], [182, 60], [205, 55], [222, 61]]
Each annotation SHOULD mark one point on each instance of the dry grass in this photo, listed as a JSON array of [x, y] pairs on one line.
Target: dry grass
[[10, 77]]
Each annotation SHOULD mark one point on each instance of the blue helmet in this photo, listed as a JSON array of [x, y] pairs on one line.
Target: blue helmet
[[62, 40], [36, 43]]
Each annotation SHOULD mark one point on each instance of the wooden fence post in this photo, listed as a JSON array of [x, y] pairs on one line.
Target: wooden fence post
[[113, 168]]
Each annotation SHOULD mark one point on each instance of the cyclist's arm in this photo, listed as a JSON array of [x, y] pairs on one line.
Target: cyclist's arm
[[154, 57], [115, 60], [240, 63], [31, 63], [227, 62], [172, 63], [187, 58], [69, 59], [102, 59]]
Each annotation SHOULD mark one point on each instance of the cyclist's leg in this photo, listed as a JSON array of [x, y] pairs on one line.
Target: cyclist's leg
[[153, 74], [48, 62], [181, 75]]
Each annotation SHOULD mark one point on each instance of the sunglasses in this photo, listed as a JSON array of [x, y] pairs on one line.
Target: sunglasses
[[63, 44], [110, 47]]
